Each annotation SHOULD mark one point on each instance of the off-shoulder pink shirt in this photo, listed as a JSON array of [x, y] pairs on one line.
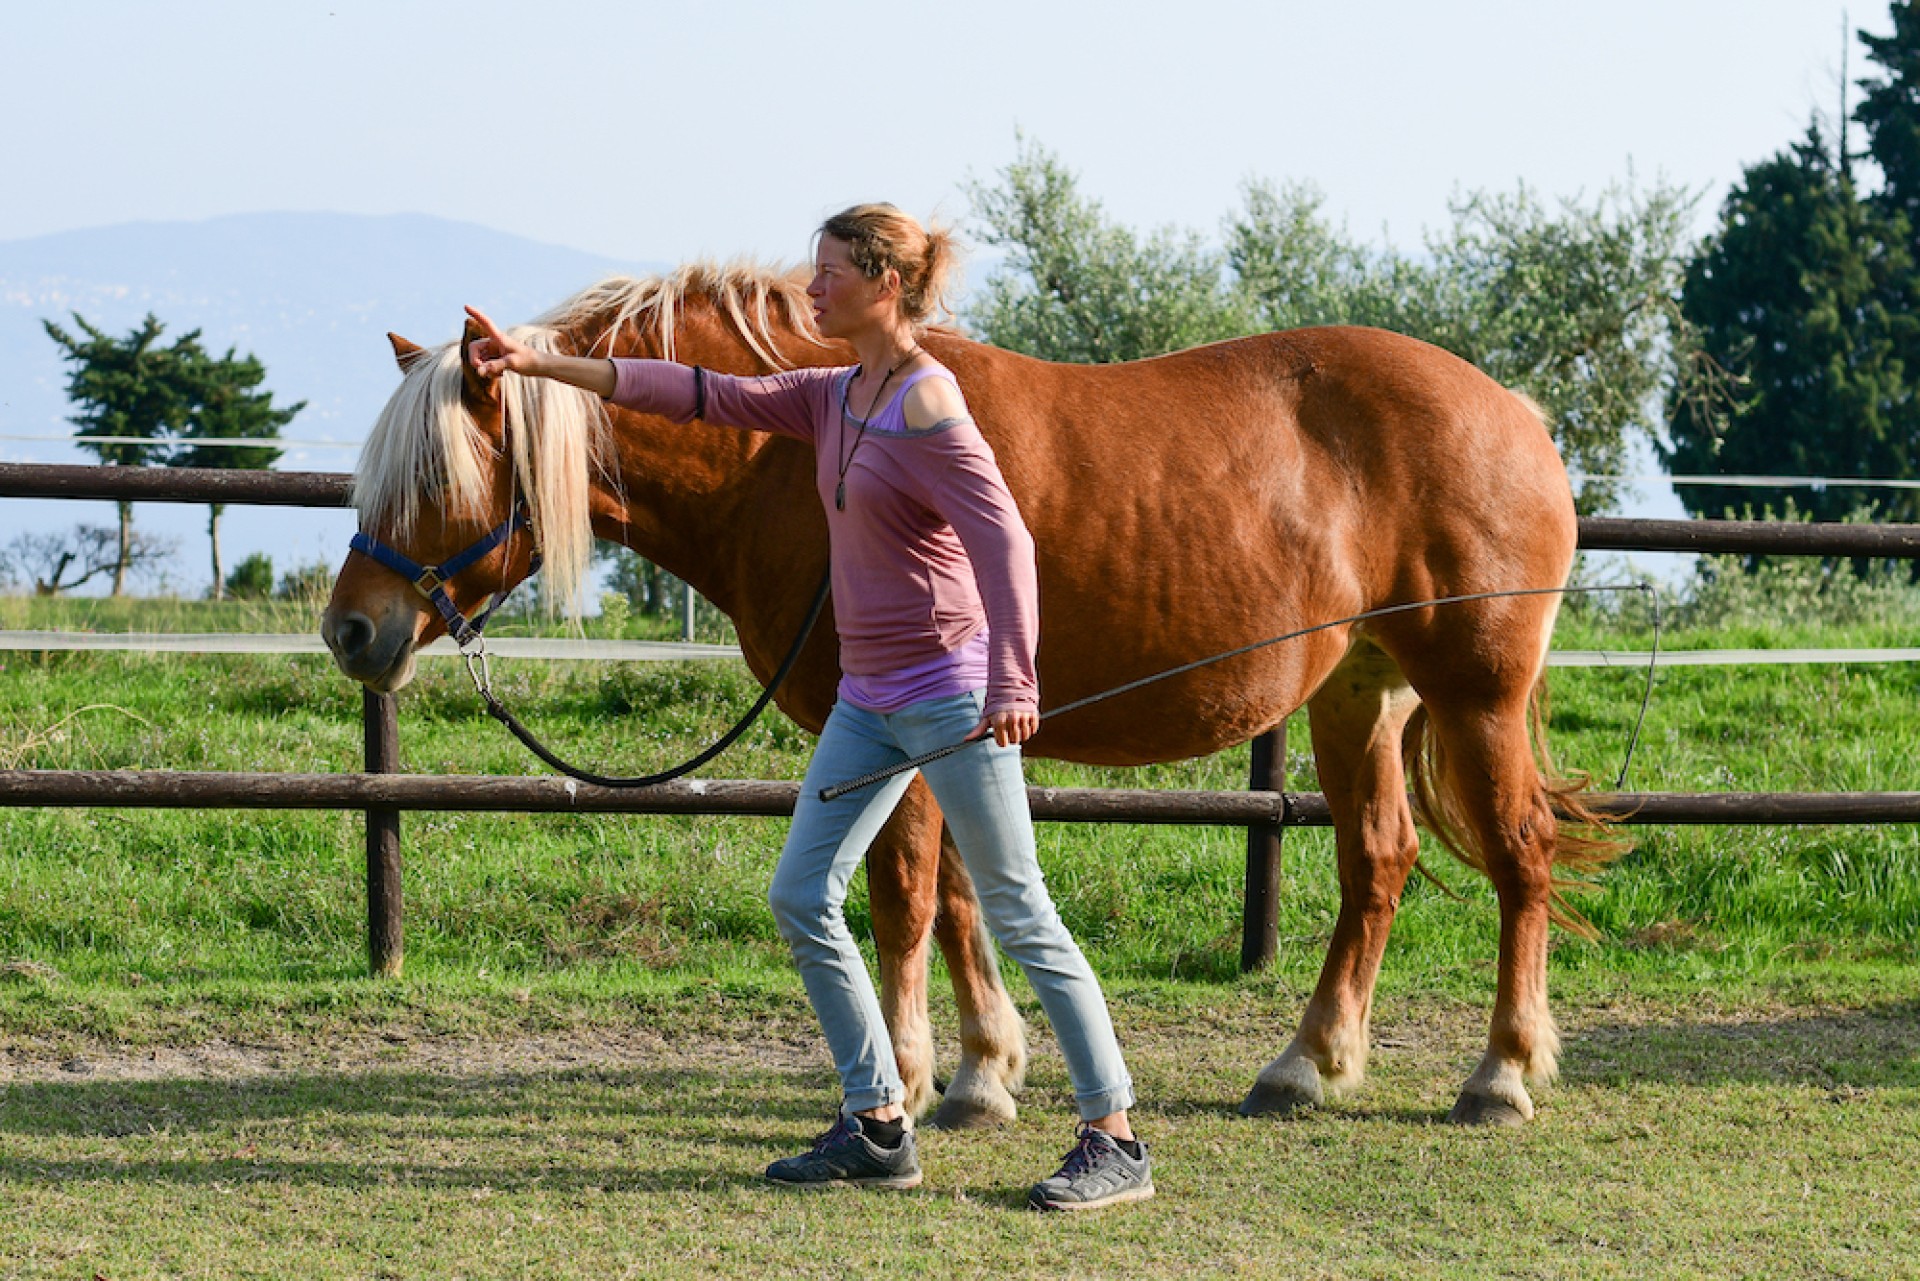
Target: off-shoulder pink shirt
[[930, 550]]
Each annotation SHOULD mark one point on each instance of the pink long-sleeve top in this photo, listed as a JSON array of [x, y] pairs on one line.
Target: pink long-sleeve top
[[934, 587]]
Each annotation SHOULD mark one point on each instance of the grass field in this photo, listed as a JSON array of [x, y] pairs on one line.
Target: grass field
[[599, 1043]]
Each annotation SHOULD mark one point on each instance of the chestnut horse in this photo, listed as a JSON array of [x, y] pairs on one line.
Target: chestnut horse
[[1181, 506]]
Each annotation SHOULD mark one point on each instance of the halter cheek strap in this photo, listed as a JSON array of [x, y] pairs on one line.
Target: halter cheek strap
[[431, 580]]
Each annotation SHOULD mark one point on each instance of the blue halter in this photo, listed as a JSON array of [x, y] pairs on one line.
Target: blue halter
[[431, 580]]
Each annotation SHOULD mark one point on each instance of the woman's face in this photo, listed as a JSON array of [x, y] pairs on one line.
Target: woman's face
[[845, 302]]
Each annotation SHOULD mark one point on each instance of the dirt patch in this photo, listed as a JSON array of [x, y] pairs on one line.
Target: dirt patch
[[221, 1060]]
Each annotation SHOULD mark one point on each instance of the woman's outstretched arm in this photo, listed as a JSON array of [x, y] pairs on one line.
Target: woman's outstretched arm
[[499, 353]]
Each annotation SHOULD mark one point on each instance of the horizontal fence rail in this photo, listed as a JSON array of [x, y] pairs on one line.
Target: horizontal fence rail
[[1747, 537], [176, 485], [334, 489], [1265, 809], [497, 794]]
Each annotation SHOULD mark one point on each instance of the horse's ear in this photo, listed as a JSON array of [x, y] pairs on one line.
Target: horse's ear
[[476, 387], [404, 352]]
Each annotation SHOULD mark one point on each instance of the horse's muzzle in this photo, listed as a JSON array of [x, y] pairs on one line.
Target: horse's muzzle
[[382, 659]]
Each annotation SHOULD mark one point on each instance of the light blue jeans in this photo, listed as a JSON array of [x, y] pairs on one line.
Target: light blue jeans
[[984, 797]]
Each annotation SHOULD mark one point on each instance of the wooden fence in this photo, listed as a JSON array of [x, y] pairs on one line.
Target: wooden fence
[[1265, 810]]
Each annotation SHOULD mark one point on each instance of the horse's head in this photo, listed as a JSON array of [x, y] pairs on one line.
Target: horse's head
[[455, 480]]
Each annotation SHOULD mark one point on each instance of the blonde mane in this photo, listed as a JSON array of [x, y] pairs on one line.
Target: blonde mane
[[758, 302], [427, 452]]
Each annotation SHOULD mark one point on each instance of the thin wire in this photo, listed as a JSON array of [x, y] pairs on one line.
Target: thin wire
[[877, 776], [1646, 699]]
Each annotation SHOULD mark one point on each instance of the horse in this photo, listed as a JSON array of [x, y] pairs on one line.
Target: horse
[[1182, 506]]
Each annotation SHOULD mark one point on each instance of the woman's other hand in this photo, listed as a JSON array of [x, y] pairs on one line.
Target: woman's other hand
[[1008, 728]]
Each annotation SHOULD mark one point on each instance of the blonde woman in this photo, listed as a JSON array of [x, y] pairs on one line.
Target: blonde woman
[[936, 606]]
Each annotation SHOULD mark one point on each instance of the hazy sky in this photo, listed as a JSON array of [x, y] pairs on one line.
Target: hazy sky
[[650, 132], [661, 132]]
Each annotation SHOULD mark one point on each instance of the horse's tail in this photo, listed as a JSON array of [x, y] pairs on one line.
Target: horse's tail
[[1584, 840]]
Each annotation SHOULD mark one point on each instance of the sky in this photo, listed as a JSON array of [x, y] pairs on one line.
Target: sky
[[659, 133], [646, 131]]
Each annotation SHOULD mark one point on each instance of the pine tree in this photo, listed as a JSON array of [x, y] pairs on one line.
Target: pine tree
[[1797, 297], [133, 390], [1890, 110], [228, 406]]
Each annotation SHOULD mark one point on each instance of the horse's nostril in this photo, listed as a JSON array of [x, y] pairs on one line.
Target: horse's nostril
[[352, 634]]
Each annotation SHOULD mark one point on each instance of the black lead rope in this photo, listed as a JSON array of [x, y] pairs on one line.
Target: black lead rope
[[879, 776], [499, 712]]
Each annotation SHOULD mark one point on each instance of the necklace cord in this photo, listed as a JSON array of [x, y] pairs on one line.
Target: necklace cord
[[846, 463]]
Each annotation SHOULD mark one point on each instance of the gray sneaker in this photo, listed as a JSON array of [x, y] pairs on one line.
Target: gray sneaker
[[1097, 1172], [845, 1157]]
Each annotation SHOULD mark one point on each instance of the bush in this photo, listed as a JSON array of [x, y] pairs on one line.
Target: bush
[[308, 584], [252, 578], [1799, 591]]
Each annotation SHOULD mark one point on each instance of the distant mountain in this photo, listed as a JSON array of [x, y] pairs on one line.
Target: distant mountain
[[312, 295]]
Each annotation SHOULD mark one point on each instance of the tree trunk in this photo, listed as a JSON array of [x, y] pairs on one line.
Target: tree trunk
[[213, 534], [126, 548]]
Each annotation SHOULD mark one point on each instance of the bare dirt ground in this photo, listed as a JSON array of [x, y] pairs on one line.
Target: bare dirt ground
[[1604, 1040], [225, 1060]]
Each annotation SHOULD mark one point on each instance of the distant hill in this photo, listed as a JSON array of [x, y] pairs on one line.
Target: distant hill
[[312, 295]]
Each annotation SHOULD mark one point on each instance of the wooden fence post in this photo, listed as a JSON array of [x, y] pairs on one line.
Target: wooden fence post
[[1260, 916], [385, 905]]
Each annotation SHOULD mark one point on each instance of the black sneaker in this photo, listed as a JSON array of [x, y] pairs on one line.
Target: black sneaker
[[1097, 1172], [845, 1157]]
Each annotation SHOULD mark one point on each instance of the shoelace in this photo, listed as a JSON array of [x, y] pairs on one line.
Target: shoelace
[[839, 1128], [1084, 1155]]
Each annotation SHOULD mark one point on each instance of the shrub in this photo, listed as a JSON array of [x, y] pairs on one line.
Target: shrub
[[252, 578]]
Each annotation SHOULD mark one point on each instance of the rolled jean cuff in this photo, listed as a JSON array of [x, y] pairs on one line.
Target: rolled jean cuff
[[1104, 1102], [867, 1100]]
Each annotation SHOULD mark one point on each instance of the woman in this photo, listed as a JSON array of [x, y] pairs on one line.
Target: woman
[[936, 605]]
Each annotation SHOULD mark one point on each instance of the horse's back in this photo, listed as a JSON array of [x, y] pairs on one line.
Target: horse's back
[[1201, 501], [1282, 435]]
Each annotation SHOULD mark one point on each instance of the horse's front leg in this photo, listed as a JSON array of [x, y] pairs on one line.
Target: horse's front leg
[[902, 874], [918, 888], [993, 1038]]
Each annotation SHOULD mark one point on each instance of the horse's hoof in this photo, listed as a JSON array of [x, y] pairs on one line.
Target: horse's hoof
[[1484, 1109], [967, 1114], [1269, 1099], [974, 1099]]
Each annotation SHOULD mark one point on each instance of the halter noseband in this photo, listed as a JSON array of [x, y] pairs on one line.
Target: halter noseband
[[431, 580]]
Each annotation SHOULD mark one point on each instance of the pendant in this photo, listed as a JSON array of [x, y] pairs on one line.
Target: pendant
[[840, 497]]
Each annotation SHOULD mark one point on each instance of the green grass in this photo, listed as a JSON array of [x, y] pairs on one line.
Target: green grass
[[599, 1041], [1681, 1142], [260, 897]]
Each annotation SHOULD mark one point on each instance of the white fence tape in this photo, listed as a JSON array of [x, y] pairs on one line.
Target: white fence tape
[[615, 651], [242, 643]]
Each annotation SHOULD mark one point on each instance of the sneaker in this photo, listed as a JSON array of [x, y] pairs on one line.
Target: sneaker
[[1097, 1172], [845, 1157]]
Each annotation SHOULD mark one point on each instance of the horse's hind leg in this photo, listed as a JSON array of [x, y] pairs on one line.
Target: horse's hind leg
[[1357, 718], [1493, 783]]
